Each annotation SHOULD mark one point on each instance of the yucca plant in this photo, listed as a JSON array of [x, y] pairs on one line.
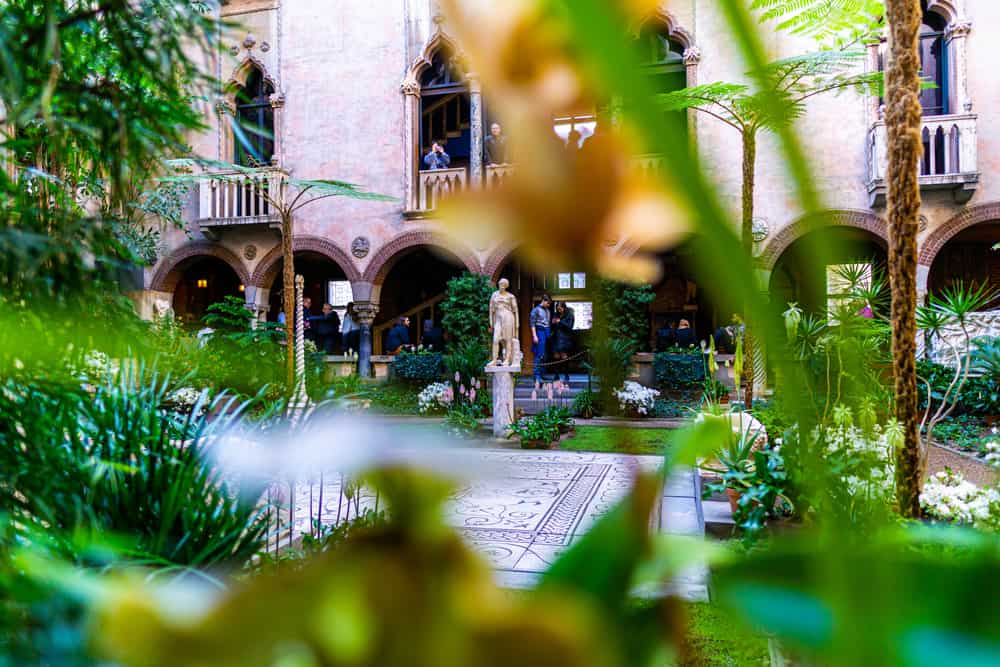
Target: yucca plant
[[116, 466]]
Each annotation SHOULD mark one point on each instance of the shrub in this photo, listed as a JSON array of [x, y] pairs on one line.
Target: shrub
[[585, 404], [675, 371], [468, 358], [419, 366], [633, 398], [466, 309], [624, 311], [534, 429]]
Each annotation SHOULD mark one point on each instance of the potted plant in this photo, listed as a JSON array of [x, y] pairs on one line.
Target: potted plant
[[734, 465], [534, 433], [585, 404], [559, 417]]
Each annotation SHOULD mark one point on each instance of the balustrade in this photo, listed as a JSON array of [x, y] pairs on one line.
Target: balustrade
[[239, 197]]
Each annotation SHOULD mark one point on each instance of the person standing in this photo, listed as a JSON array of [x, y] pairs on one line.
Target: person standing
[[350, 330], [540, 321], [563, 320], [437, 158], [326, 328], [306, 317], [495, 147]]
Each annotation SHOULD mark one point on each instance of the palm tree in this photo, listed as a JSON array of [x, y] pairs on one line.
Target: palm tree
[[902, 121], [787, 85]]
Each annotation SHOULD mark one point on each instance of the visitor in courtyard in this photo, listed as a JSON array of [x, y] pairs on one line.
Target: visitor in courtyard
[[437, 158], [432, 337], [495, 146], [350, 330], [562, 338], [398, 337], [326, 329], [540, 321], [684, 334], [666, 337]]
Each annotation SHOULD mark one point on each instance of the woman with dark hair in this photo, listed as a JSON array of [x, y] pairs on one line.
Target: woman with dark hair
[[562, 338], [684, 335]]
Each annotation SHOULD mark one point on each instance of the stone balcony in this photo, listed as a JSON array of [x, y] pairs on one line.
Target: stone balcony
[[239, 198], [950, 159], [433, 186]]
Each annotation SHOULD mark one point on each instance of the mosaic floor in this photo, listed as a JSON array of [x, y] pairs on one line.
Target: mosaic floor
[[523, 509]]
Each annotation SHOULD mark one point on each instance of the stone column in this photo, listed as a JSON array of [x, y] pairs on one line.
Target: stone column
[[872, 65], [955, 35], [277, 101], [691, 58], [475, 132], [411, 138], [503, 397], [365, 312]]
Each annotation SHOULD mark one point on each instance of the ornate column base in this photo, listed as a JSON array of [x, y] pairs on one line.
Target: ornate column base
[[503, 397]]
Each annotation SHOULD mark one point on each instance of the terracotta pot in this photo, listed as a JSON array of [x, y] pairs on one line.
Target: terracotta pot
[[734, 499]]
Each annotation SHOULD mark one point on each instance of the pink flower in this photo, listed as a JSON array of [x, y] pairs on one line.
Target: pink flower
[[549, 391], [534, 394], [461, 390], [458, 378], [472, 395]]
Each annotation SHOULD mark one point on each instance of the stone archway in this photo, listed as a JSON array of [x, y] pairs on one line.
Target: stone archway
[[170, 269], [864, 220], [383, 261], [269, 265], [943, 233]]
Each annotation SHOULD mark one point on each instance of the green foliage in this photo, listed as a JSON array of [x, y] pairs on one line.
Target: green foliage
[[585, 404], [964, 432], [558, 416], [323, 538], [113, 465], [652, 441], [466, 309], [674, 371], [986, 357], [534, 430], [397, 398], [978, 395], [422, 366], [836, 23], [463, 418], [467, 357], [718, 639], [240, 356], [623, 312], [610, 360]]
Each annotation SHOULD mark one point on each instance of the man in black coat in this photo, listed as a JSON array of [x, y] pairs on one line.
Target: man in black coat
[[326, 328], [398, 336]]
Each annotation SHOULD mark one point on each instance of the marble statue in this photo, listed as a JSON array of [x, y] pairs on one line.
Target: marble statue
[[504, 325]]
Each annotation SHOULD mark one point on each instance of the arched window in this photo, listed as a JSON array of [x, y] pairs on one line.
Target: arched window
[[663, 57], [444, 109], [934, 64], [253, 144]]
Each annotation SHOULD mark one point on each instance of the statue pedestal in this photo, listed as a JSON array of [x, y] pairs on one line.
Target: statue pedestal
[[503, 397]]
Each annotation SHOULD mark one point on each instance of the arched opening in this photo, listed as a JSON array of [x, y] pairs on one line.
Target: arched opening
[[798, 277], [934, 63], [968, 257], [203, 280], [663, 63], [570, 285], [445, 115], [414, 286], [254, 126], [682, 294], [323, 282]]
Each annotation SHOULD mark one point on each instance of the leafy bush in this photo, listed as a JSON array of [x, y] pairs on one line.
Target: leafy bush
[[463, 420], [585, 404], [623, 311], [534, 429], [678, 371], [986, 357], [112, 464], [419, 366], [558, 416], [980, 395], [468, 358], [466, 309]]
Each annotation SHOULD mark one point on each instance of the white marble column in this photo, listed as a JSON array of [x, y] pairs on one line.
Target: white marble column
[[956, 35], [476, 132]]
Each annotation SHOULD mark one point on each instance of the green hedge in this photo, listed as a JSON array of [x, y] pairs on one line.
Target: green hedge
[[678, 371], [418, 367]]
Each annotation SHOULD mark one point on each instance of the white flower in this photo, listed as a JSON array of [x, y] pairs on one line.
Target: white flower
[[434, 396], [633, 397]]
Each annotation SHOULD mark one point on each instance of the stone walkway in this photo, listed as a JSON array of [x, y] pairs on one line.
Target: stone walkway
[[525, 508]]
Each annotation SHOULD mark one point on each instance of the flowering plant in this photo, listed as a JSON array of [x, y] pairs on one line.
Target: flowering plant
[[436, 396], [634, 398], [868, 452], [184, 399], [948, 496]]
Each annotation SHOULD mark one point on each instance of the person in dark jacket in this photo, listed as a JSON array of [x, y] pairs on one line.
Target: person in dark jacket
[[495, 147], [398, 336], [666, 337], [684, 335], [433, 337], [326, 329], [562, 337], [437, 158]]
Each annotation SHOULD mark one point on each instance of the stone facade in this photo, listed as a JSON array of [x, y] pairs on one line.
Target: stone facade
[[346, 85]]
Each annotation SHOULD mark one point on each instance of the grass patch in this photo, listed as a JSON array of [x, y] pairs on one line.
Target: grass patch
[[619, 440], [393, 398], [716, 639]]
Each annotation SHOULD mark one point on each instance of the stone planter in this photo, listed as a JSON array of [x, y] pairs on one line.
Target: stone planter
[[382, 366], [338, 366]]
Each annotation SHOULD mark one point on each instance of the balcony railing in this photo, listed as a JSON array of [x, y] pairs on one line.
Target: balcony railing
[[437, 184], [950, 160], [239, 198]]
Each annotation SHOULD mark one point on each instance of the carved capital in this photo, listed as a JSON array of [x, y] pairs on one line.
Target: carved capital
[[277, 100], [364, 313], [410, 86], [958, 29], [223, 107], [692, 56]]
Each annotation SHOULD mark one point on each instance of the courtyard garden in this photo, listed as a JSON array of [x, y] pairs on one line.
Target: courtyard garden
[[228, 494]]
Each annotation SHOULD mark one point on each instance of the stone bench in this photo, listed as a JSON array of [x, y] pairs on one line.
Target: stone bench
[[338, 366], [382, 366]]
